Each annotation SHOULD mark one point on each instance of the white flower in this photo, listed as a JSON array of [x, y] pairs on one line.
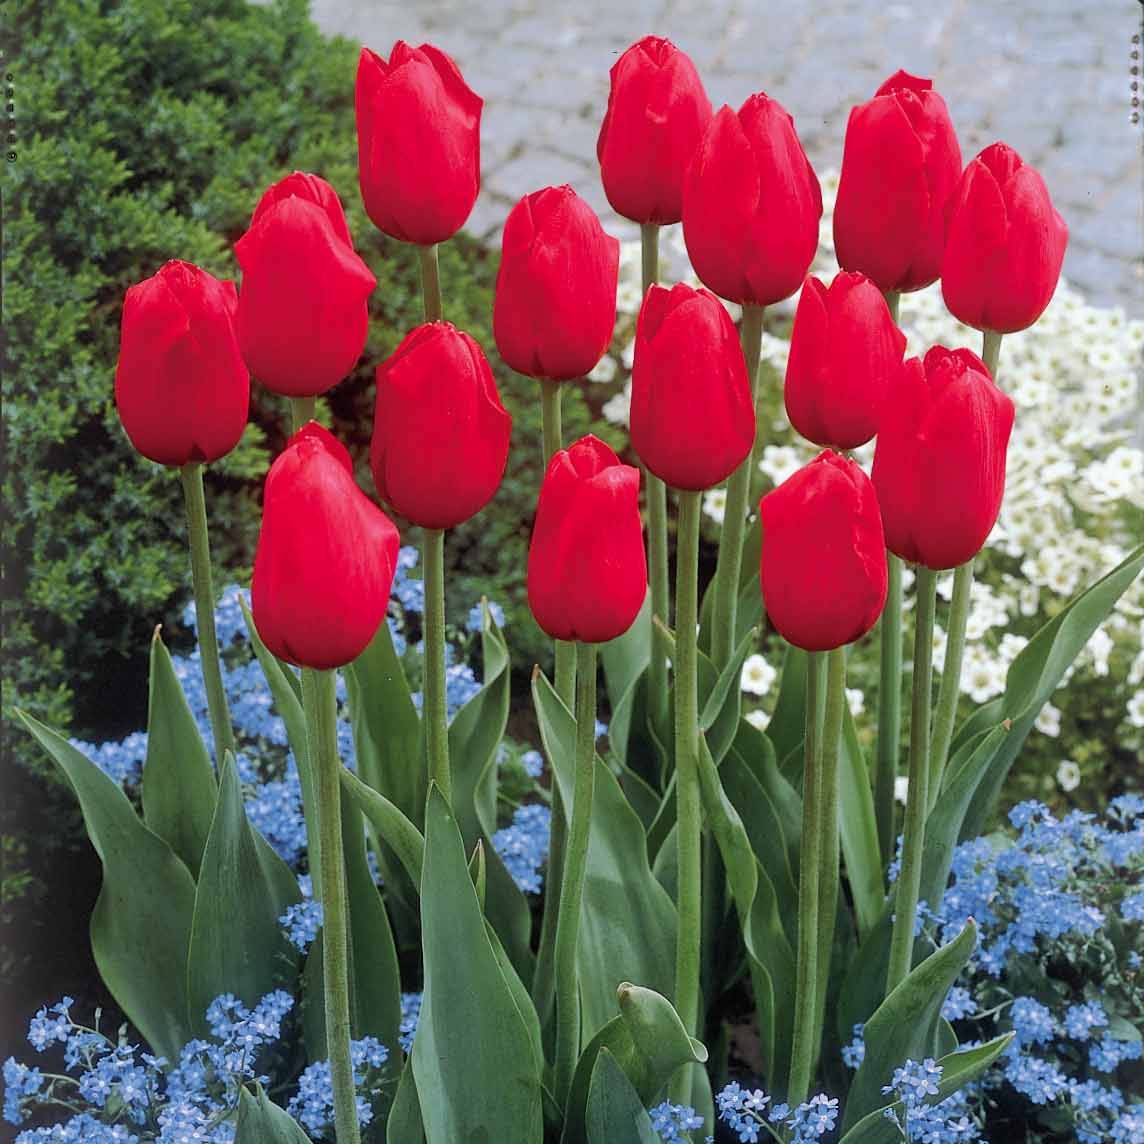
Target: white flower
[[617, 409], [901, 789], [715, 504], [780, 462], [758, 719], [1048, 721], [855, 700], [982, 676], [1136, 709], [1099, 647], [940, 640], [758, 675], [604, 370], [1068, 775]]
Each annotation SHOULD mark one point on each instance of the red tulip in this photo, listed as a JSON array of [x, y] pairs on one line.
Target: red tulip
[[302, 310], [657, 113], [325, 559], [845, 356], [823, 561], [419, 143], [900, 163], [555, 304], [440, 433], [751, 205], [939, 465], [587, 573], [1004, 246], [181, 387], [692, 417]]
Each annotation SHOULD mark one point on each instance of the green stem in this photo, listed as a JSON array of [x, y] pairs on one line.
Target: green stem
[[320, 703], [688, 829], [730, 559], [433, 685], [917, 798], [893, 301], [945, 714], [889, 710], [803, 1046], [301, 411], [430, 282], [199, 542], [575, 865], [991, 351]]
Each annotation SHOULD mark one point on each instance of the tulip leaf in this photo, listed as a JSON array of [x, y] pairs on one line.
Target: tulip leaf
[[628, 921], [758, 754], [473, 1059], [237, 945], [858, 828], [477, 873], [614, 1113], [625, 658], [788, 723], [750, 596], [179, 788], [720, 706], [261, 1121], [392, 827], [141, 923], [632, 741], [404, 1123]]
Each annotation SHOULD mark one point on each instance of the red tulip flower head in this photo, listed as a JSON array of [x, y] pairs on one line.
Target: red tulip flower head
[[419, 143], [845, 357], [939, 465], [181, 386], [440, 432], [823, 564], [751, 205], [1004, 246], [900, 163], [657, 113], [692, 417], [587, 572], [302, 310], [555, 304], [325, 559]]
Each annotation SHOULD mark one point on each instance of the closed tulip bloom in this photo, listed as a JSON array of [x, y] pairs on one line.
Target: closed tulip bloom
[[939, 465], [823, 563], [181, 386], [692, 416], [751, 205], [302, 310], [555, 304], [440, 432], [657, 113], [900, 163], [325, 559], [587, 573], [1005, 244], [419, 143], [845, 356]]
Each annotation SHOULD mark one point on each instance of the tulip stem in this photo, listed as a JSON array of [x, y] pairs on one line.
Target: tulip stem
[[945, 714], [689, 822], [991, 351], [320, 703], [917, 798], [889, 709], [430, 282], [893, 301], [572, 880], [433, 684], [730, 561], [200, 546], [302, 411], [803, 1045]]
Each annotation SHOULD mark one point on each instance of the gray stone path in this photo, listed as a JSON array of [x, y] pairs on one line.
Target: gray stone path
[[1050, 77]]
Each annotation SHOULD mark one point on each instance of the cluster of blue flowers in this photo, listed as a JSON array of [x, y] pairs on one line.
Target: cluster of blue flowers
[[920, 1118], [747, 1111], [674, 1123], [523, 845]]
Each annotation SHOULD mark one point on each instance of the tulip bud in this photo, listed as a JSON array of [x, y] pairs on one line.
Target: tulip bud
[[419, 143], [181, 386], [751, 205], [657, 113], [1005, 244], [302, 310], [555, 304], [845, 356], [440, 432], [325, 559], [692, 417], [823, 563], [900, 163], [939, 465], [587, 573]]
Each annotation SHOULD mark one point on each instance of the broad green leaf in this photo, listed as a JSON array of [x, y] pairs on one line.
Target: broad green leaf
[[758, 753], [903, 1026], [632, 742], [179, 787], [476, 1074], [859, 830], [392, 827], [261, 1121], [404, 1123], [141, 923], [720, 704], [628, 921], [614, 1113], [477, 873], [625, 658], [750, 613], [237, 945], [785, 730]]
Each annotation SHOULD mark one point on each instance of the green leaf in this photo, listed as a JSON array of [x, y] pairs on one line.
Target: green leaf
[[903, 1026], [628, 921], [141, 923], [237, 945], [785, 730], [404, 1123], [395, 830], [477, 873], [625, 658], [859, 831], [750, 608], [179, 787], [261, 1121], [477, 1077], [758, 753], [720, 702], [615, 1114]]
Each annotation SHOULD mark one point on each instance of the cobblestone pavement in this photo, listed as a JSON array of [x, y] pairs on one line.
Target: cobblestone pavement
[[1050, 77]]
